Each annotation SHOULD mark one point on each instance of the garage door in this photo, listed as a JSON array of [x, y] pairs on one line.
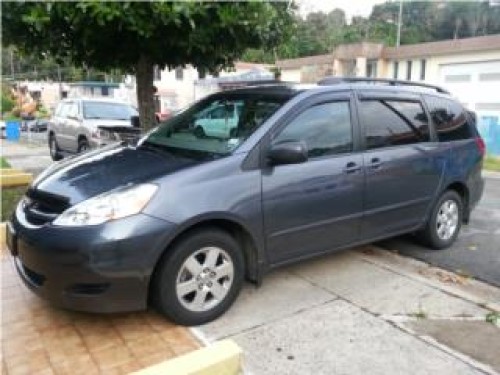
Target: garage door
[[477, 86]]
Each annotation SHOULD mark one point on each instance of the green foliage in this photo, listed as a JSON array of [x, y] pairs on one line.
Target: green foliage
[[134, 36], [7, 101]]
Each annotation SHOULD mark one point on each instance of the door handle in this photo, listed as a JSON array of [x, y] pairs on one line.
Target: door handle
[[351, 167], [375, 163]]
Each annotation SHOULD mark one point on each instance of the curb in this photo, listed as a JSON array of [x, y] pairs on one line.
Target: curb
[[475, 291], [221, 358], [14, 177]]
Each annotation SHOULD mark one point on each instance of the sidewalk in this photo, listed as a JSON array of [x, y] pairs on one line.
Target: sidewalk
[[39, 339], [364, 311], [27, 157]]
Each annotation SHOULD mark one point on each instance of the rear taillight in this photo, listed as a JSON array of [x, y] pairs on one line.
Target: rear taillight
[[480, 145]]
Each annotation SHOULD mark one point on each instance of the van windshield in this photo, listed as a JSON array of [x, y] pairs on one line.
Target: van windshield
[[217, 125]]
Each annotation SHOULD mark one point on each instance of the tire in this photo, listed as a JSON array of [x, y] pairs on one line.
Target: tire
[[186, 276], [199, 132], [83, 145], [233, 133], [445, 222], [55, 152]]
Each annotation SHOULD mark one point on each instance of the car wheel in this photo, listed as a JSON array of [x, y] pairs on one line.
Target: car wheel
[[55, 153], [199, 132], [199, 278], [233, 133], [444, 223], [83, 145]]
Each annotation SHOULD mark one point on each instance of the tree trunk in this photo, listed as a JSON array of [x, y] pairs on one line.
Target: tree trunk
[[145, 101]]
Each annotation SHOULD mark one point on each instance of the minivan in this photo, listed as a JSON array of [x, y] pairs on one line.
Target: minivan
[[180, 221]]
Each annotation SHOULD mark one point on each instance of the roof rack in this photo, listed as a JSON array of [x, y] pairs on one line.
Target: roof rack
[[391, 82]]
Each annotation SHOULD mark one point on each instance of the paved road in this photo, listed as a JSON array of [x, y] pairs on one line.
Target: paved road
[[477, 250]]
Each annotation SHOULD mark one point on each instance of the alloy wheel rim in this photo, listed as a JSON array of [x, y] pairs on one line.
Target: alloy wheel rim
[[204, 279], [447, 220], [52, 147]]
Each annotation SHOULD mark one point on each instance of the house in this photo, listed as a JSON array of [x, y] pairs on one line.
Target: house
[[469, 68], [176, 88]]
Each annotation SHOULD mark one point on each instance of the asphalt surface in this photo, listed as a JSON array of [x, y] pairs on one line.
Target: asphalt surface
[[476, 252]]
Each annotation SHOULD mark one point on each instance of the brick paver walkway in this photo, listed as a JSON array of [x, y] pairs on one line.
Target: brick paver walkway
[[39, 339]]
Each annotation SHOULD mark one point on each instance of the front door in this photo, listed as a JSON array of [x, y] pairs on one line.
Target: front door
[[314, 206], [403, 167]]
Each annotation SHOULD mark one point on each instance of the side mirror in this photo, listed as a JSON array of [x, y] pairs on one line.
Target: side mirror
[[287, 152]]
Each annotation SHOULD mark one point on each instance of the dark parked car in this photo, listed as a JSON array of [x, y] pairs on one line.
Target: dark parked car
[[180, 221]]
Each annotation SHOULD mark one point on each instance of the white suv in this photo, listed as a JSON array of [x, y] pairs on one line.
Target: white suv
[[79, 124]]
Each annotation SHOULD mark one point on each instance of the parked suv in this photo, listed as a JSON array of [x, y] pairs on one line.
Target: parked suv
[[81, 124], [181, 221]]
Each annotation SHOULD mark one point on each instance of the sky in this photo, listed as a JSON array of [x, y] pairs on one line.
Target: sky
[[350, 7]]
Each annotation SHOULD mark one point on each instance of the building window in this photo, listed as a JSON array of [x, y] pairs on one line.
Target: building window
[[156, 73], [104, 91], [371, 68], [408, 70], [395, 71], [179, 73], [422, 70]]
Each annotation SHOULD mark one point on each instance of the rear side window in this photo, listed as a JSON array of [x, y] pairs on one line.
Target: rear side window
[[325, 128], [449, 118], [393, 122]]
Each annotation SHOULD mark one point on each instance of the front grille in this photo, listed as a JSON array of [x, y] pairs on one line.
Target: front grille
[[41, 207]]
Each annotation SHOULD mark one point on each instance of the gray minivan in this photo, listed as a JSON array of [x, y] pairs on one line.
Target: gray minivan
[[180, 220]]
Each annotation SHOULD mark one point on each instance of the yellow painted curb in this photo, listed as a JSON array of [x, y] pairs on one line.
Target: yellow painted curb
[[15, 179], [6, 171], [222, 358]]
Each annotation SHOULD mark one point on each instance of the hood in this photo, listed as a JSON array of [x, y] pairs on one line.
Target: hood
[[84, 176], [95, 123]]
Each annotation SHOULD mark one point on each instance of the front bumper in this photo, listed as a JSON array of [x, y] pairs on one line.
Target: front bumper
[[104, 268]]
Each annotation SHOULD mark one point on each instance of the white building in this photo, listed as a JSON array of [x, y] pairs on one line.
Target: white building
[[179, 87], [469, 68]]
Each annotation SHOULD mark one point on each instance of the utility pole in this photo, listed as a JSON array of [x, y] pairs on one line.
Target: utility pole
[[400, 21]]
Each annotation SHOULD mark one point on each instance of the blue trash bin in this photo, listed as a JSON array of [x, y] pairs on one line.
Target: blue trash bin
[[13, 130]]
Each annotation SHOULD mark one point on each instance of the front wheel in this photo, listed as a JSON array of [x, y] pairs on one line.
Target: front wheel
[[199, 278], [444, 223], [83, 145], [55, 153]]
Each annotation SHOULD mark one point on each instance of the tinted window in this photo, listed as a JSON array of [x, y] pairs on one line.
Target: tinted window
[[325, 128], [449, 118], [392, 123]]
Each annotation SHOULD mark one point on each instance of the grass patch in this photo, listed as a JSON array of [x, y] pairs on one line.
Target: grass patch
[[492, 163], [493, 318], [10, 197], [4, 163]]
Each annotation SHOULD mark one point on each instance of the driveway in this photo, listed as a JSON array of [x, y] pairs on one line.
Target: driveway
[[357, 312], [477, 250], [40, 339]]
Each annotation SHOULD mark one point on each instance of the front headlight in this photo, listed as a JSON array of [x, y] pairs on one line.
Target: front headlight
[[113, 205]]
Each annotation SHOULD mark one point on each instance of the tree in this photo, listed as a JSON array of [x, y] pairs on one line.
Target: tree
[[136, 36]]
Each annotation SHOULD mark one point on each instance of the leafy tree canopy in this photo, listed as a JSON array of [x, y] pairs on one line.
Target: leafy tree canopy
[[135, 36]]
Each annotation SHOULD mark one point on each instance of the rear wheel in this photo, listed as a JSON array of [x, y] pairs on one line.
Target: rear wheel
[[199, 132], [83, 145], [444, 223], [55, 153], [199, 278]]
